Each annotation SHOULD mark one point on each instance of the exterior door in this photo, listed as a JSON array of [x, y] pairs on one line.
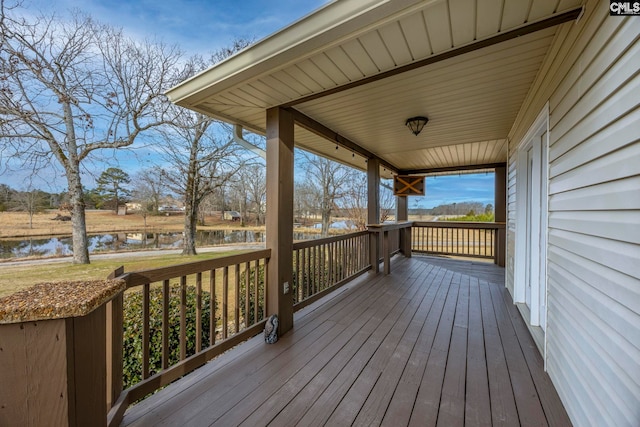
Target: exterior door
[[531, 226]]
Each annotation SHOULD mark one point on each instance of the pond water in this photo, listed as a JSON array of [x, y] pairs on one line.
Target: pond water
[[115, 242]]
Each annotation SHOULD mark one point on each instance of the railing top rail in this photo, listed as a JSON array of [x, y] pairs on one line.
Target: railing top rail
[[389, 226], [316, 242], [460, 224], [137, 278]]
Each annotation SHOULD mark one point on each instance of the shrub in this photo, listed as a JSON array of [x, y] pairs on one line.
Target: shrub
[[473, 217], [132, 314]]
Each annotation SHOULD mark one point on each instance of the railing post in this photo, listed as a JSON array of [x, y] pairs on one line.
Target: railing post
[[386, 252], [114, 349], [374, 258], [53, 358], [114, 344], [405, 239], [499, 254]]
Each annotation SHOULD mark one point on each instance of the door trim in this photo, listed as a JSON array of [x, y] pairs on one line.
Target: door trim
[[538, 133]]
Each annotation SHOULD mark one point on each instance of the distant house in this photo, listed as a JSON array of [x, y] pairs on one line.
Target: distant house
[[231, 216]]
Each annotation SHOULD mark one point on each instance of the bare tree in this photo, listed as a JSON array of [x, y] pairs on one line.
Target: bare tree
[[200, 164], [354, 202], [248, 191], [200, 151], [31, 201], [148, 189], [70, 88], [255, 177], [239, 196], [331, 179], [387, 202], [306, 200]]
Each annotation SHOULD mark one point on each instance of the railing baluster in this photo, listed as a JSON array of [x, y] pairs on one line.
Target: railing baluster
[[225, 301], [256, 285], [307, 258], [145, 331], [351, 245], [247, 296], [319, 268], [346, 256], [183, 317], [323, 267], [212, 307], [334, 260], [236, 309], [315, 270], [166, 295], [296, 277], [266, 286], [198, 312]]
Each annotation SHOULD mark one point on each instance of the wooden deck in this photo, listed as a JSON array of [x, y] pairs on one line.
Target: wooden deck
[[438, 342]]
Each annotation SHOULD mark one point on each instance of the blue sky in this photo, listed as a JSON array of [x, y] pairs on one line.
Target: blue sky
[[198, 26], [447, 189], [204, 26]]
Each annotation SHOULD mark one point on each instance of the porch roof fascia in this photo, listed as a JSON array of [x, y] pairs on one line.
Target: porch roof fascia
[[326, 26]]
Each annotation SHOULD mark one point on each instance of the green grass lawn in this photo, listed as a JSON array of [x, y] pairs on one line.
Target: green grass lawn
[[15, 278]]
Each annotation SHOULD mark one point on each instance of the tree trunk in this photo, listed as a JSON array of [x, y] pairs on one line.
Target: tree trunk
[[191, 205], [190, 224], [326, 218], [78, 220]]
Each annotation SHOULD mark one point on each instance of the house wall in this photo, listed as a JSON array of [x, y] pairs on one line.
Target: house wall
[[591, 82]]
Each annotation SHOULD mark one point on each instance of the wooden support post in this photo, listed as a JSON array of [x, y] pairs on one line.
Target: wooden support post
[[279, 219], [500, 209], [373, 210]]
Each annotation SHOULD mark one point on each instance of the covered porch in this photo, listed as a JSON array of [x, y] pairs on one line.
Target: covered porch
[[436, 342]]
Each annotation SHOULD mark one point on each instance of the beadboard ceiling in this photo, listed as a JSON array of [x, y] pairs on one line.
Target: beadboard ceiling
[[471, 99]]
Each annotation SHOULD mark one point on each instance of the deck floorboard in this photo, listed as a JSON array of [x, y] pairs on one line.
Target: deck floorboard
[[437, 342]]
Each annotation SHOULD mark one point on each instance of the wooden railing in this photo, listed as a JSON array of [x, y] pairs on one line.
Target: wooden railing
[[321, 265], [220, 303], [468, 239]]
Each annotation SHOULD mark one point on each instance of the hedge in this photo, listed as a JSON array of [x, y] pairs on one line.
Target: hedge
[[132, 317]]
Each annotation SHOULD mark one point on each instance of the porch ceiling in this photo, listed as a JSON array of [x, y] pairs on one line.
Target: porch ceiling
[[471, 99]]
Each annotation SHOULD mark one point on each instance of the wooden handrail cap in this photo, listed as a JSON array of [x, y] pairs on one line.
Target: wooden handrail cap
[[58, 300]]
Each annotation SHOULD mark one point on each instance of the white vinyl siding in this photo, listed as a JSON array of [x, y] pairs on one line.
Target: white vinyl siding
[[591, 79]]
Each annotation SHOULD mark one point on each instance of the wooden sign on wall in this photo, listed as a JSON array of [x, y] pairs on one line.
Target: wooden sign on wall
[[408, 185]]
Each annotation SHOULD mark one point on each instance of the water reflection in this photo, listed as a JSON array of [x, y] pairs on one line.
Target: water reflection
[[114, 242]]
